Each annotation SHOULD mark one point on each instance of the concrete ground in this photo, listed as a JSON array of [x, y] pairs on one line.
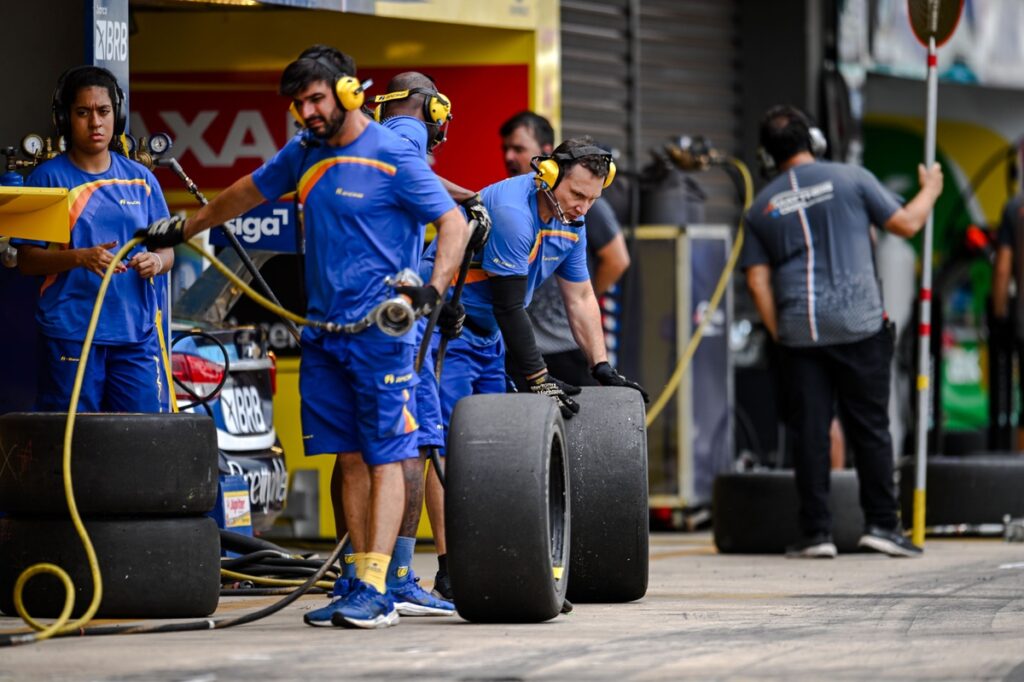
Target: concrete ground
[[955, 614]]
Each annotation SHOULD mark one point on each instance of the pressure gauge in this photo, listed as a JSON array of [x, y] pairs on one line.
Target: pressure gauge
[[62, 144], [159, 143], [130, 145], [32, 145]]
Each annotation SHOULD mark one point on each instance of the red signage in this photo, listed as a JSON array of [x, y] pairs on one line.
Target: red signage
[[225, 125]]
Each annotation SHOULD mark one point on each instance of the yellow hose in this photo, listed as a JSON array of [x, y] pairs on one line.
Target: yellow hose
[[684, 362], [61, 625], [166, 356]]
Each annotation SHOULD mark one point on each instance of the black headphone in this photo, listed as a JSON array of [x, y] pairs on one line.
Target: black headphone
[[348, 90], [549, 168], [61, 110], [816, 141]]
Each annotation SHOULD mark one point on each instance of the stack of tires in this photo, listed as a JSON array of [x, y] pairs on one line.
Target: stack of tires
[[143, 484], [538, 509], [756, 512], [971, 490]]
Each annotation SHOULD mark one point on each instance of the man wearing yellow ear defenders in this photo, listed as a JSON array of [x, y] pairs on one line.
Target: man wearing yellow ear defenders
[[538, 232], [366, 193], [524, 136], [415, 110]]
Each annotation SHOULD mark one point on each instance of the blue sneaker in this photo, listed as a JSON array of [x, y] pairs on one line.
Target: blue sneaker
[[343, 587], [413, 600], [364, 607], [321, 618]]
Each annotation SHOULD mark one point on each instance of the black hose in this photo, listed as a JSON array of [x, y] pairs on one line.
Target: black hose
[[264, 591], [986, 168], [196, 398], [460, 284], [234, 563], [236, 542]]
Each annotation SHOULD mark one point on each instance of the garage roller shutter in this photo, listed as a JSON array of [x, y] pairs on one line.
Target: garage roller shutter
[[689, 79]]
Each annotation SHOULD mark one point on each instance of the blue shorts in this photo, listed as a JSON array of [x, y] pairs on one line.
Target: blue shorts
[[470, 370], [358, 395], [428, 402], [118, 378]]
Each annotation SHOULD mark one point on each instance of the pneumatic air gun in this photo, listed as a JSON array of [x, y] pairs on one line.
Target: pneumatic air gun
[[396, 315]]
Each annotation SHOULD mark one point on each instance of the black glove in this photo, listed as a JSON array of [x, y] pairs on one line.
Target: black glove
[[546, 384], [423, 299], [480, 222], [163, 233], [450, 319], [606, 375]]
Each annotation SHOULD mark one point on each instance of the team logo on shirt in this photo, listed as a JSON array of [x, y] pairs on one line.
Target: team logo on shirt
[[346, 193], [795, 200]]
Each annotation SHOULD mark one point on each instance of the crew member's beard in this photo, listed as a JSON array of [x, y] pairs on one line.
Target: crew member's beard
[[333, 126]]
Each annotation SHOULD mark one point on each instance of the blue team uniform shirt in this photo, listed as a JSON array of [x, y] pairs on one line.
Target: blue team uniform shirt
[[105, 207], [364, 204], [520, 244], [428, 403], [412, 129]]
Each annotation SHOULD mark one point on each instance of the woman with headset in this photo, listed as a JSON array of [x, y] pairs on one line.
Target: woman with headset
[[110, 196]]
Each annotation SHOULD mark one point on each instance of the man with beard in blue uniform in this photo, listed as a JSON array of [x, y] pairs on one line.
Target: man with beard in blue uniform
[[365, 193]]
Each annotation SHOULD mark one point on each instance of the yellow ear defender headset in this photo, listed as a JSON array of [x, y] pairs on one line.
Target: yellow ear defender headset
[[437, 109], [549, 168], [349, 91]]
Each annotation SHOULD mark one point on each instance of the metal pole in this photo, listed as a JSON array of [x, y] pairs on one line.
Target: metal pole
[[924, 327]]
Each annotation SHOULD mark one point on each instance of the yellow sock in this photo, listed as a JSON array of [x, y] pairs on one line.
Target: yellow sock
[[358, 558], [375, 571]]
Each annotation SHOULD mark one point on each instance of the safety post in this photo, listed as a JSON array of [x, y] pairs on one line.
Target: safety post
[[933, 22]]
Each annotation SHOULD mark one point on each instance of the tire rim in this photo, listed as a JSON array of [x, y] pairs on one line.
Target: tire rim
[[557, 502]]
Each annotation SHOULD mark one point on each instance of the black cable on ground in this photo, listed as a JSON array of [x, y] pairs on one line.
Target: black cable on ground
[[212, 623]]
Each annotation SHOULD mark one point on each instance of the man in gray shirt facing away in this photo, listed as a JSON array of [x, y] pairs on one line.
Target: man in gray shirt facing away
[[525, 136], [810, 269]]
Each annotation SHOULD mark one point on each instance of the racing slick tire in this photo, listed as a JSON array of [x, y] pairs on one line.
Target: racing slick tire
[[966, 491], [121, 464], [608, 482], [507, 508], [756, 512], [150, 568]]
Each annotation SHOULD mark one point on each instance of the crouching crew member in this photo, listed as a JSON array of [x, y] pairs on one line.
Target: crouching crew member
[[110, 196], [538, 231], [365, 192]]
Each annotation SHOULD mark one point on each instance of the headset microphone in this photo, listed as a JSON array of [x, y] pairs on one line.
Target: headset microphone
[[559, 213]]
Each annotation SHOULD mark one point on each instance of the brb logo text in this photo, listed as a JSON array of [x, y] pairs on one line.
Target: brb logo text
[[111, 38]]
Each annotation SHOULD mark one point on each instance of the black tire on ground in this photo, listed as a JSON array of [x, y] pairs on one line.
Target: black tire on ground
[[507, 508], [150, 568], [121, 464], [756, 512], [969, 490], [608, 481]]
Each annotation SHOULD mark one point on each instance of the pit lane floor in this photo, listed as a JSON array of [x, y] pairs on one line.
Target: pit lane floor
[[955, 614]]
